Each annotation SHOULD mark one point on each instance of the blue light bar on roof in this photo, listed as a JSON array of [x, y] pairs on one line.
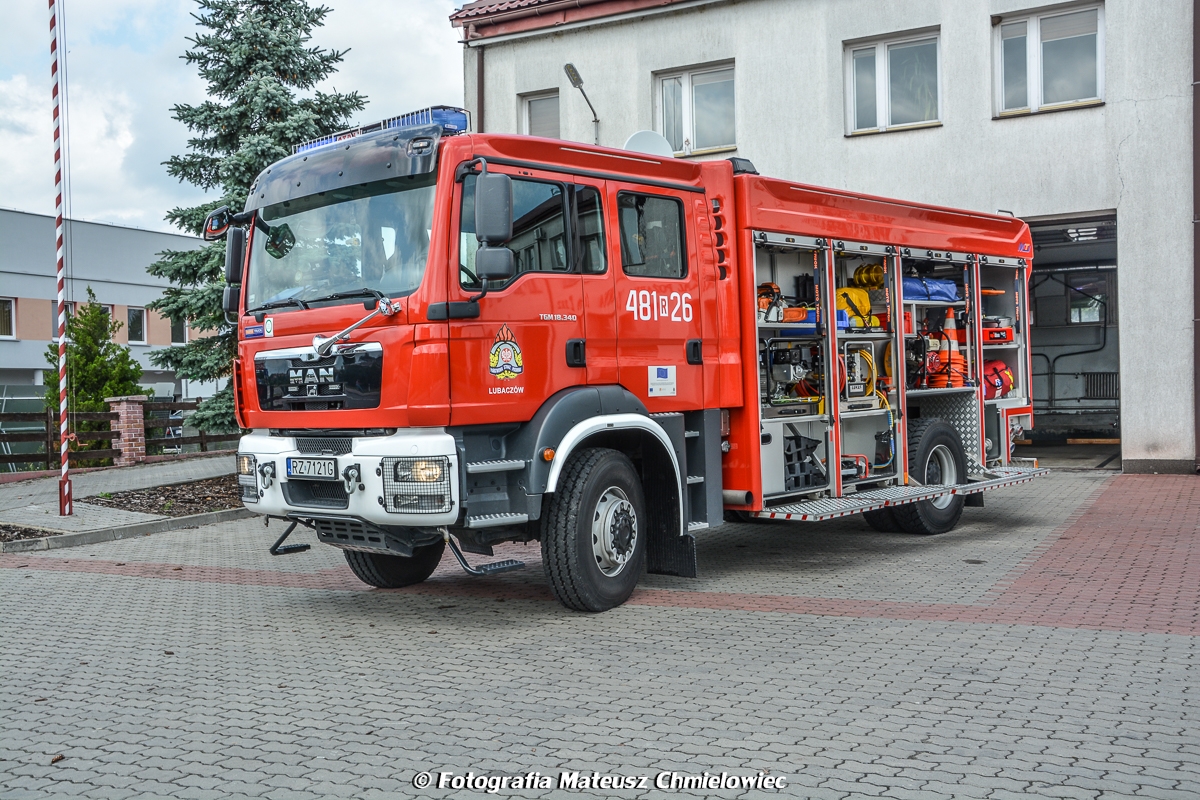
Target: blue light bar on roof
[[453, 120]]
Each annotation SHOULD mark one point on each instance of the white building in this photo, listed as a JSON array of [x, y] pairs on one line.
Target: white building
[[112, 261], [1076, 117]]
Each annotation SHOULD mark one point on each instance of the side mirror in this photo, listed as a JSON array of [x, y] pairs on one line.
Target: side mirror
[[217, 223], [230, 299], [235, 255], [493, 207], [494, 264]]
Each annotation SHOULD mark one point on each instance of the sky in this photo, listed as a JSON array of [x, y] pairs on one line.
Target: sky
[[125, 72]]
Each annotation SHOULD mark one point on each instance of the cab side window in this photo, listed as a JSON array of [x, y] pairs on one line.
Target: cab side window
[[590, 231], [651, 236], [539, 230]]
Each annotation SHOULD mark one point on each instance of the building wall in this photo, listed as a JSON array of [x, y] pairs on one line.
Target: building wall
[[110, 259], [1132, 155]]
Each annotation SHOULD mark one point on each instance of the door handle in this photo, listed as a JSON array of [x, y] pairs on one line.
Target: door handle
[[695, 351], [576, 352]]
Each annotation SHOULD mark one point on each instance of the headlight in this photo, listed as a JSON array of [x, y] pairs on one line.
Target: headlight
[[245, 464], [417, 485], [419, 471]]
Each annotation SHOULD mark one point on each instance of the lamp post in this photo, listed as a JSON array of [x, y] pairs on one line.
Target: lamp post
[[577, 81]]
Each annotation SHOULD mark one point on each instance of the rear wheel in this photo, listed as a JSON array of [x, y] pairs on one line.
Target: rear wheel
[[594, 531], [385, 571], [936, 457], [883, 520]]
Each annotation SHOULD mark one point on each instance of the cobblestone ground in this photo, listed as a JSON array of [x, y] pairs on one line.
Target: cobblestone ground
[[1047, 647]]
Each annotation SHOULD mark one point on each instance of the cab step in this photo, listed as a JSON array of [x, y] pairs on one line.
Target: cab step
[[496, 520], [499, 465], [506, 565]]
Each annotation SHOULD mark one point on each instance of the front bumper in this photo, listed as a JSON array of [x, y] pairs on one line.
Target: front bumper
[[385, 492]]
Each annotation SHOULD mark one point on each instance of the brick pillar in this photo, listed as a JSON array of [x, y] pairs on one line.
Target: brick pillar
[[131, 422]]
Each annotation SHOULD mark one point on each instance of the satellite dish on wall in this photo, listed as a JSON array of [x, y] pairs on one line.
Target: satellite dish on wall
[[651, 143]]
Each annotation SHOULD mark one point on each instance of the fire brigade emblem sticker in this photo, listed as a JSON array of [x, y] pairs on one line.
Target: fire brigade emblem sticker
[[504, 358]]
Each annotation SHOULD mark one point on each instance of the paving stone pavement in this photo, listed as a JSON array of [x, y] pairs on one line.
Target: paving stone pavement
[[84, 517], [193, 664], [44, 491]]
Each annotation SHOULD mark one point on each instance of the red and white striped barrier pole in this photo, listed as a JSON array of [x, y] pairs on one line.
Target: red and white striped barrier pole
[[64, 478]]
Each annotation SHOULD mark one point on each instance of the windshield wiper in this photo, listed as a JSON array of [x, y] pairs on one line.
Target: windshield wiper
[[284, 303], [363, 292]]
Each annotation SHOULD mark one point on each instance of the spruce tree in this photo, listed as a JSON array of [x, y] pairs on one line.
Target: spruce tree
[[256, 57]]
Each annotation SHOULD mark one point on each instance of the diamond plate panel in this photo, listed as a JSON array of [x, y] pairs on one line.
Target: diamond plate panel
[[960, 409], [834, 507]]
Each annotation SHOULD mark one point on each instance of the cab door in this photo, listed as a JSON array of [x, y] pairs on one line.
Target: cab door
[[658, 301], [527, 341]]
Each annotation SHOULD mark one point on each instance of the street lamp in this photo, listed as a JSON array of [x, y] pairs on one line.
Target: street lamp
[[577, 81]]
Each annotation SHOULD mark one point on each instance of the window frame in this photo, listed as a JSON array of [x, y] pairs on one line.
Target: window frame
[[539, 95], [683, 236], [1033, 61], [129, 329], [186, 333], [5, 337], [687, 118], [883, 95], [70, 304]]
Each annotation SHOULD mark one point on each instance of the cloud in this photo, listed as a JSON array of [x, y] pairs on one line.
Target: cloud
[[125, 73]]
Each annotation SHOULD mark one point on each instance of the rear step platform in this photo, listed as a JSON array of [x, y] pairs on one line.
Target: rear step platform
[[835, 507], [495, 567]]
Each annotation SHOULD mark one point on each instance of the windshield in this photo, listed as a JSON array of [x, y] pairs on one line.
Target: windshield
[[366, 238]]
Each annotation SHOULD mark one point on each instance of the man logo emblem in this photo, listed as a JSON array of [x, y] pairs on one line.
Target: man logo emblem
[[505, 356]]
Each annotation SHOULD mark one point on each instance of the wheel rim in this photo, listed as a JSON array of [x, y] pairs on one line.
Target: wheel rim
[[614, 531], [941, 469]]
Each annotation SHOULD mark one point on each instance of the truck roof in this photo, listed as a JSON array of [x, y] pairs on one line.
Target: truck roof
[[773, 204]]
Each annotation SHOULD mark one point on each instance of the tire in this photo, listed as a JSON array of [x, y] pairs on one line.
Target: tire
[[935, 451], [594, 530], [883, 520], [385, 571]]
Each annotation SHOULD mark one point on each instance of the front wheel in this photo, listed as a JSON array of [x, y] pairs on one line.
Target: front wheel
[[385, 571], [594, 531], [936, 457]]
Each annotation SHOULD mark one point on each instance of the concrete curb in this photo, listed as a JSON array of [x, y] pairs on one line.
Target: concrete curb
[[57, 541]]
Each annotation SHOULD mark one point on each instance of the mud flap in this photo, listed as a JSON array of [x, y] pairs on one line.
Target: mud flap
[[667, 552]]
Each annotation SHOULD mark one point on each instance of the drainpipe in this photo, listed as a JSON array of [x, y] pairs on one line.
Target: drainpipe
[[1196, 224], [479, 89]]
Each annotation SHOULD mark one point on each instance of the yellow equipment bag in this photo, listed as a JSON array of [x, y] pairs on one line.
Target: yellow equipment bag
[[857, 304]]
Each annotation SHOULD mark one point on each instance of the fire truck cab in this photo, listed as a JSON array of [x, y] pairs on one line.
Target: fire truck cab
[[454, 339]]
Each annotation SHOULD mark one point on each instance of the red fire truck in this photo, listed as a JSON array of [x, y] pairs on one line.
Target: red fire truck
[[456, 339]]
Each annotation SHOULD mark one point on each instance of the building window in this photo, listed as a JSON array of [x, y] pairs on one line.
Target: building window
[[137, 325], [54, 317], [696, 110], [1051, 60], [893, 83], [651, 236], [179, 331], [8, 318], [541, 115]]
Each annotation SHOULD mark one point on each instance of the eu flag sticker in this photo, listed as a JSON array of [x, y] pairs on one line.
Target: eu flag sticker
[[252, 331], [661, 381]]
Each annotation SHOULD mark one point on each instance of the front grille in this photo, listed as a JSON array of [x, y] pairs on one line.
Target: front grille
[[324, 445], [349, 380], [316, 494], [416, 497]]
